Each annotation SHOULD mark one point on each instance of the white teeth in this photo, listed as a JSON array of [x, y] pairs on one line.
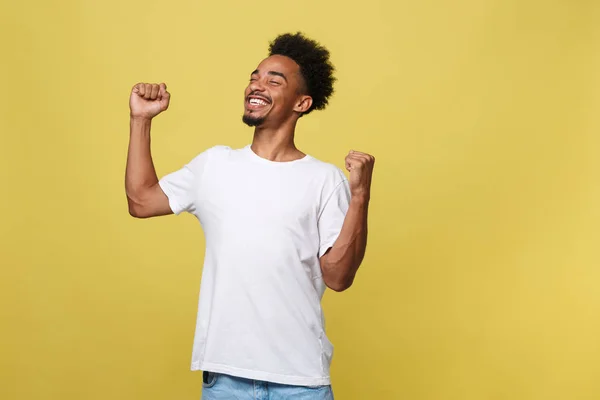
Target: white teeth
[[258, 102]]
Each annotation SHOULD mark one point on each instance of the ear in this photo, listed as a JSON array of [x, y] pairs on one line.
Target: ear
[[303, 104]]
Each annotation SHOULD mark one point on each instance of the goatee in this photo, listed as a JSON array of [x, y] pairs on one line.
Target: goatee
[[252, 121]]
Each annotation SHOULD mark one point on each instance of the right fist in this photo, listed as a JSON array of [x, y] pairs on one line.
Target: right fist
[[147, 100]]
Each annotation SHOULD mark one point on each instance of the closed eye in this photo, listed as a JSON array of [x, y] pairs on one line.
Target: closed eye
[[275, 82]]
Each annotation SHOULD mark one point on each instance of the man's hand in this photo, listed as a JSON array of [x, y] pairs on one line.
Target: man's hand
[[147, 100], [360, 166]]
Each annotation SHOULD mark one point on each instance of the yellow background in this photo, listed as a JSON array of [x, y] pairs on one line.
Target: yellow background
[[482, 278]]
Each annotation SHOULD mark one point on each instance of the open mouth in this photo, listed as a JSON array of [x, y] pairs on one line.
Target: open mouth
[[256, 102]]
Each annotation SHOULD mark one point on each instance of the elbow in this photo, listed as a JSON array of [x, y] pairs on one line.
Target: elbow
[[135, 210], [338, 276], [339, 287], [133, 206], [134, 213], [338, 284]]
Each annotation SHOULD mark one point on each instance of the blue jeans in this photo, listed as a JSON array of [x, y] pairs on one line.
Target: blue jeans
[[226, 387]]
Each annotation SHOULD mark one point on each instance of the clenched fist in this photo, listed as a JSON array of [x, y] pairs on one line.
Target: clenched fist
[[360, 165], [147, 100]]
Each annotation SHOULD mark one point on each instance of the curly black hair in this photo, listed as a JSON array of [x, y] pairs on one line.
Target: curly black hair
[[315, 67]]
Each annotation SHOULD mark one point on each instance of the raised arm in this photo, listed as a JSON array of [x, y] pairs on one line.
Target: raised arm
[[340, 263], [145, 198]]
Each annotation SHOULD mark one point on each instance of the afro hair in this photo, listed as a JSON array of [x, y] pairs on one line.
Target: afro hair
[[315, 67]]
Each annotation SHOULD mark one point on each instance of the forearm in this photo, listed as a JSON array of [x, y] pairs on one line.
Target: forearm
[[140, 173], [340, 264]]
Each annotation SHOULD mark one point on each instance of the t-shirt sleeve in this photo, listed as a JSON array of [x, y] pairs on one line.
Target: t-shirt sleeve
[[181, 186], [332, 216]]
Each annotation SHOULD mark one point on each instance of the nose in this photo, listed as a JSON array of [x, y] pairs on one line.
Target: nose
[[256, 86]]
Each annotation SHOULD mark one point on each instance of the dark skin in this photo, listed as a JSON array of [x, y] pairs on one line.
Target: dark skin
[[279, 93], [275, 97], [277, 82]]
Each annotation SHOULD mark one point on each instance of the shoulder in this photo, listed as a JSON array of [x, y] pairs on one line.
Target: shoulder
[[330, 173], [219, 149], [202, 158]]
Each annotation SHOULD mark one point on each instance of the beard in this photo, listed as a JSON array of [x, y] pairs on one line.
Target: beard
[[252, 121]]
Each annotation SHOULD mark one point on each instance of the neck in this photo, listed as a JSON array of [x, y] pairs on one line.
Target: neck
[[276, 144]]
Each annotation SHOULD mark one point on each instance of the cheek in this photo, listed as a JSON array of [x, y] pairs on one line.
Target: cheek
[[282, 101]]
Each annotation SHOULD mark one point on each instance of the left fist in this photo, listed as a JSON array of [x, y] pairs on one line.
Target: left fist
[[360, 166]]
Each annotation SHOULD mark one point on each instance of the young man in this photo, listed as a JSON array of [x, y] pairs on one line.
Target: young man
[[280, 226]]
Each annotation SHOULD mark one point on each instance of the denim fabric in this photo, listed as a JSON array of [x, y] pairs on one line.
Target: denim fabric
[[226, 387]]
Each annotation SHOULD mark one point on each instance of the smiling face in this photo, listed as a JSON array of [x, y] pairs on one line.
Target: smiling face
[[275, 93]]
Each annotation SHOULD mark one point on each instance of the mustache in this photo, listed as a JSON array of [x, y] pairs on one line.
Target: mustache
[[256, 94]]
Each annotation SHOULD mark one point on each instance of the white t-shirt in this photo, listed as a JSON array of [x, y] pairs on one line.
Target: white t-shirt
[[266, 224]]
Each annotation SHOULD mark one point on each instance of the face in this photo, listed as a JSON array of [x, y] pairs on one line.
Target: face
[[275, 93]]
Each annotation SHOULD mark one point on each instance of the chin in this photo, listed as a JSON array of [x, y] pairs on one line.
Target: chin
[[252, 120]]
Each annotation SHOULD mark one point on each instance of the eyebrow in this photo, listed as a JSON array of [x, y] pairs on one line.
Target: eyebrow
[[271, 73]]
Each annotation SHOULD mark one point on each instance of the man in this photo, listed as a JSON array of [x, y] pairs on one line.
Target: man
[[280, 226]]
